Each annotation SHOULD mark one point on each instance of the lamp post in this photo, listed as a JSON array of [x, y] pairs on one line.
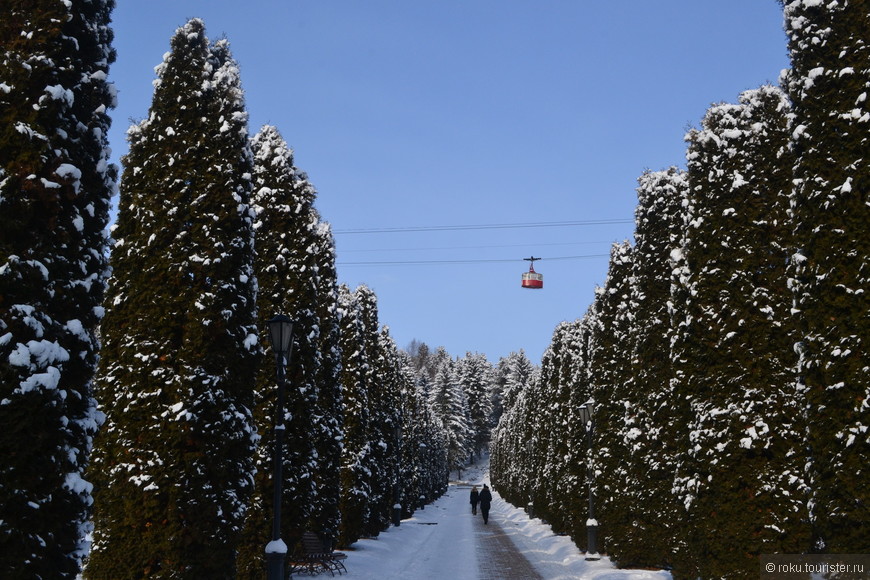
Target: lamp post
[[397, 507], [591, 522], [280, 337]]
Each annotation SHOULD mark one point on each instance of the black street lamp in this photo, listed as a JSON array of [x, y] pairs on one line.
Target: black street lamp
[[280, 337], [591, 523], [397, 507]]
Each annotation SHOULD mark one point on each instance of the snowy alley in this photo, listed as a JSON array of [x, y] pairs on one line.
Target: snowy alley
[[445, 541]]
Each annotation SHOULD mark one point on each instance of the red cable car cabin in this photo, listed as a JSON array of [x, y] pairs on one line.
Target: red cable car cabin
[[532, 279]]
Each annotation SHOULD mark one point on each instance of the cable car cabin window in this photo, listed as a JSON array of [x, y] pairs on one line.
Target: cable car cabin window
[[533, 280]]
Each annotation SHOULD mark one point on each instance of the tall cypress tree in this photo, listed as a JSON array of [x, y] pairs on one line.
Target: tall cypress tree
[[356, 455], [329, 430], [608, 359], [645, 538], [296, 275], [174, 462], [828, 84], [741, 480], [393, 432], [380, 433], [557, 384], [55, 186]]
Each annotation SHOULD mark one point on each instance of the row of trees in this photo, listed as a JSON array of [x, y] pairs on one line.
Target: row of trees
[[182, 465], [725, 353], [180, 482], [180, 473]]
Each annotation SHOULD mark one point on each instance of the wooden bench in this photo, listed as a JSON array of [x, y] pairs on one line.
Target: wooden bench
[[315, 558]]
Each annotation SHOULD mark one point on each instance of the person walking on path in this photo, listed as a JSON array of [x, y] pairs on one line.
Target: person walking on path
[[475, 497], [485, 498]]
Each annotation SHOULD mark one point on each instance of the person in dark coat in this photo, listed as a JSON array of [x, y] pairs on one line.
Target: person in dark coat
[[485, 499], [475, 497]]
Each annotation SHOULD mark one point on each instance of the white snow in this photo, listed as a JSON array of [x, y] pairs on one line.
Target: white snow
[[276, 547], [440, 541]]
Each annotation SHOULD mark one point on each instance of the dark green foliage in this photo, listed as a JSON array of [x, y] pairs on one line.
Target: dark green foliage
[[740, 474], [828, 86], [562, 490], [55, 186], [296, 274], [174, 462], [355, 378], [608, 359], [385, 429], [644, 536]]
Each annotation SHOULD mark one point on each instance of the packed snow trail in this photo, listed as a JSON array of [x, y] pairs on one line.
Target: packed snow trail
[[435, 543], [498, 557], [445, 541]]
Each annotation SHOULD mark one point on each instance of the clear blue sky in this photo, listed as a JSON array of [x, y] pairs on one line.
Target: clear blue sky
[[427, 114]]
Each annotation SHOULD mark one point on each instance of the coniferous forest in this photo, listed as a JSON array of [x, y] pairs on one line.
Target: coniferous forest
[[724, 359]]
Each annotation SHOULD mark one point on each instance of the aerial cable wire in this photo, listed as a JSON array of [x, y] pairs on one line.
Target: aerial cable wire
[[440, 262], [453, 228], [426, 249]]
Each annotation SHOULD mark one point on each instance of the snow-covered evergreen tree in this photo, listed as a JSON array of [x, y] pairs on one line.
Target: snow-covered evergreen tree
[[647, 539], [519, 374], [424, 453], [552, 490], [609, 370], [828, 85], [296, 275], [740, 479], [475, 378], [395, 433], [450, 405], [329, 432], [55, 186], [384, 422], [512, 465], [174, 462], [356, 374]]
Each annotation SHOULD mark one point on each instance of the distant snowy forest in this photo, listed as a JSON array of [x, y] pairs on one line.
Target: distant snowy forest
[[724, 358]]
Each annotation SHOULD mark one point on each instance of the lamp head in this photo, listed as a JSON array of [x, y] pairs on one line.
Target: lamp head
[[280, 334]]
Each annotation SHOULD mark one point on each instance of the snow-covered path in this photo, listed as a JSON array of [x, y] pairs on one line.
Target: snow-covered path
[[445, 541], [435, 543]]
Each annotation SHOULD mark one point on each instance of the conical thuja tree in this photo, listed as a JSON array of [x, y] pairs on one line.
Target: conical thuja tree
[[174, 461], [383, 407], [329, 429], [296, 275], [608, 360], [647, 538], [356, 375], [55, 185], [828, 86], [741, 478]]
